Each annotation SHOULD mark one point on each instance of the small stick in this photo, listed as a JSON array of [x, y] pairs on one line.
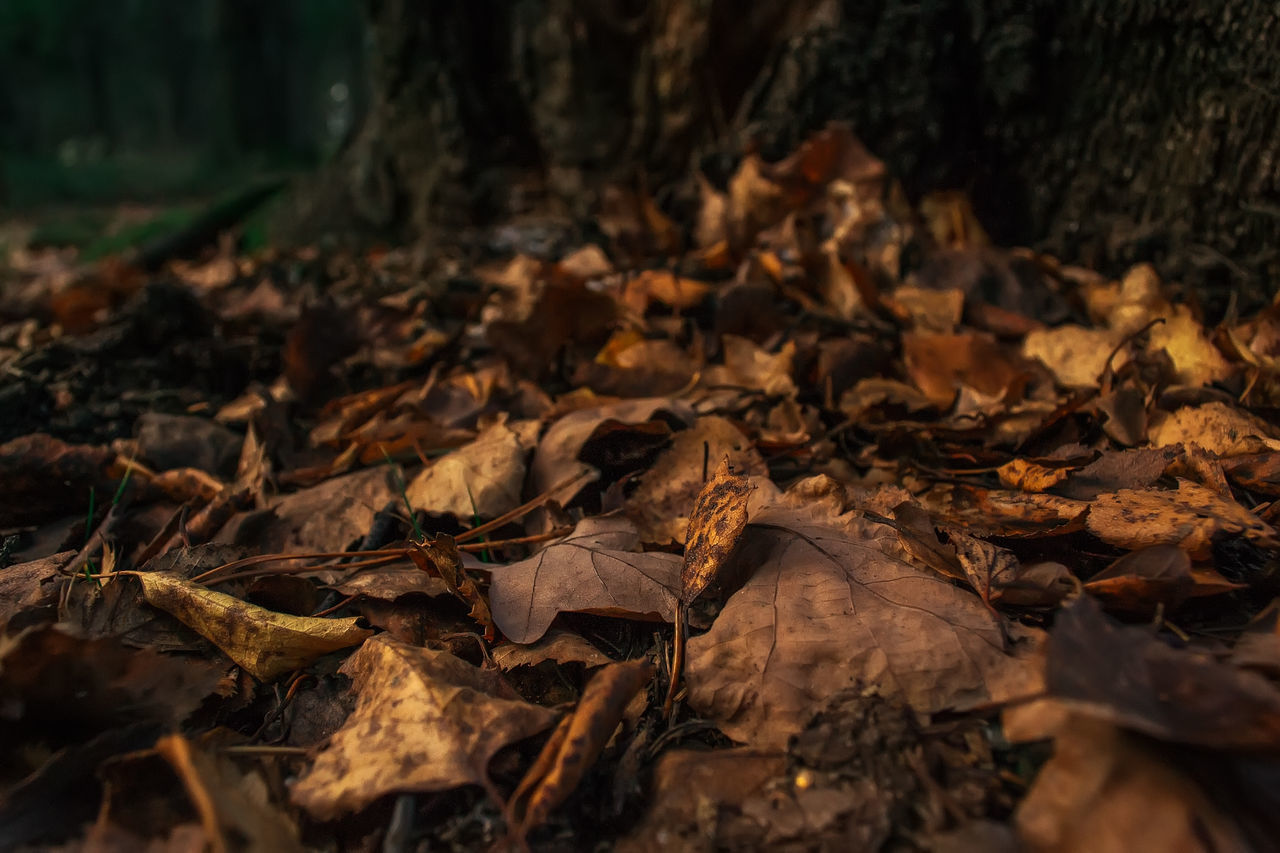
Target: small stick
[[677, 658]]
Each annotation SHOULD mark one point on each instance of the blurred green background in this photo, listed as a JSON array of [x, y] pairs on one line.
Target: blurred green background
[[119, 113]]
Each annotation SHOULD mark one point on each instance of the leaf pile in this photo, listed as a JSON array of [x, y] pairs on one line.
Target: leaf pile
[[972, 546]]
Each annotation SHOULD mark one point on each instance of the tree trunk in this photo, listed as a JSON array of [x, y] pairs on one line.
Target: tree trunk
[[1107, 132]]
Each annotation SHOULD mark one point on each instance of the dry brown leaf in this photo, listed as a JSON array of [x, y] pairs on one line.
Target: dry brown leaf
[[327, 517], [439, 555], [265, 643], [993, 512], [386, 583], [827, 607], [424, 721], [731, 780], [234, 808], [1161, 575], [1027, 476], [929, 310], [44, 478], [1075, 355], [1216, 427], [1189, 518], [1104, 791], [557, 458], [662, 501], [715, 526], [1257, 472], [32, 587], [668, 288], [483, 478], [1128, 677], [940, 364], [748, 366], [594, 570], [576, 743], [557, 646], [48, 673]]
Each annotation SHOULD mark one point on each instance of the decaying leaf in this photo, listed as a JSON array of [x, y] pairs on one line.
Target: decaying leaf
[[558, 458], [558, 646], [596, 569], [483, 478], [1161, 575], [1189, 517], [827, 606], [425, 721], [1127, 677], [1104, 790], [734, 781], [718, 519], [665, 496], [234, 808], [440, 555], [266, 644], [1076, 355], [1216, 427], [577, 742]]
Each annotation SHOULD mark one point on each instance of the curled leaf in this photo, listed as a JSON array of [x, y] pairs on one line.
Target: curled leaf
[[265, 643]]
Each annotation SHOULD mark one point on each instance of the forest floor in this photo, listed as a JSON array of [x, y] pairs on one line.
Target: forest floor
[[968, 549]]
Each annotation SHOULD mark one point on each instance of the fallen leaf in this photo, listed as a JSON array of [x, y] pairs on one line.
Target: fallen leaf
[[1128, 677], [748, 366], [51, 679], [940, 364], [439, 555], [661, 286], [558, 457], [1075, 355], [1216, 427], [424, 721], [1104, 791], [577, 742], [483, 478], [327, 517], [1189, 517], [266, 644], [31, 587], [828, 607], [557, 646], [1028, 476], [993, 512], [929, 310], [730, 780], [715, 526], [45, 478], [1141, 580], [593, 570], [664, 497], [234, 808]]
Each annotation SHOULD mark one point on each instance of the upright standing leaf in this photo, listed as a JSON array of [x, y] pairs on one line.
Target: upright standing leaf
[[718, 519]]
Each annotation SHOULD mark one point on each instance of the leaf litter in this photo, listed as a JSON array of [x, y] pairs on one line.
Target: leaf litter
[[969, 545]]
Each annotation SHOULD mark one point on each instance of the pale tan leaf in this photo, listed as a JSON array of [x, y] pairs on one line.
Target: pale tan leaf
[[1217, 427], [483, 478], [1189, 517], [424, 721], [265, 643], [1075, 355]]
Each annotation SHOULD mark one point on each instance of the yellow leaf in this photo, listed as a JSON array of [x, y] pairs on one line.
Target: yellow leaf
[[265, 643]]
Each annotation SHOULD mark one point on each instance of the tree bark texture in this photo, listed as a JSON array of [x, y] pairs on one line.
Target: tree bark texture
[[1107, 131]]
